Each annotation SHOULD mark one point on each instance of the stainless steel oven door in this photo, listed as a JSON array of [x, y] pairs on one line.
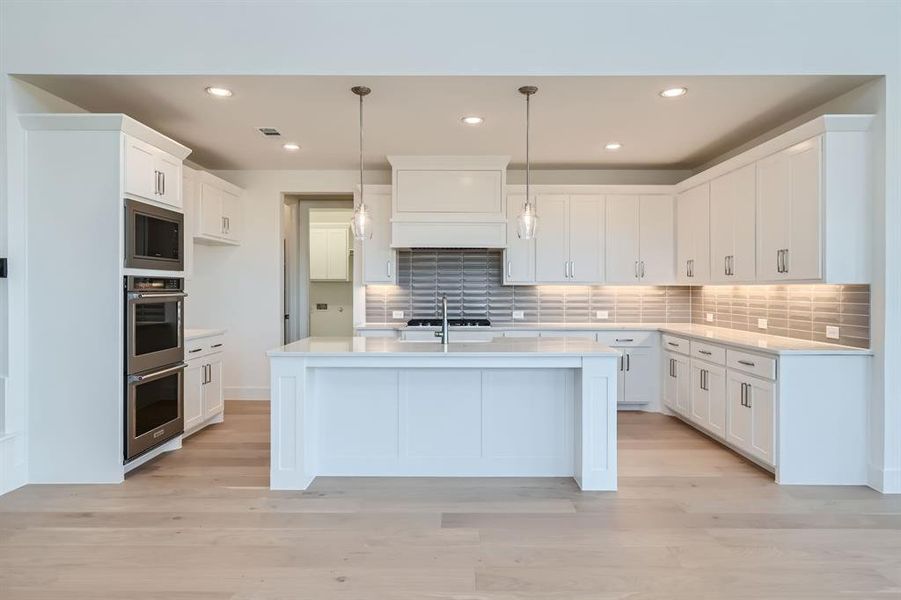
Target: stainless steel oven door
[[154, 409], [154, 237], [155, 330]]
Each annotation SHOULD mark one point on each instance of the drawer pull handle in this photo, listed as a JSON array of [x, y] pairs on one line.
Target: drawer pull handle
[[195, 350], [216, 346], [625, 339], [673, 344], [705, 352], [746, 363]]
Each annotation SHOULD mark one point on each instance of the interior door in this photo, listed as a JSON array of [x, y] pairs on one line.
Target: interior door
[[738, 416], [379, 265], [209, 218], [622, 238], [552, 242], [804, 259], [193, 397], [640, 375], [774, 213], [586, 238], [213, 402], [656, 239], [519, 257]]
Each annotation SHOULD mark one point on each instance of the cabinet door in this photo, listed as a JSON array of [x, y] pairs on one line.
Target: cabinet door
[[670, 383], [722, 241], [140, 169], [209, 219], [716, 400], [761, 397], [693, 235], [699, 397], [169, 168], [738, 416], [379, 265], [337, 257], [640, 372], [621, 380], [519, 257], [804, 258], [656, 239], [213, 402], [683, 385], [586, 239], [193, 395], [622, 238], [319, 262], [773, 214], [551, 242], [233, 213], [744, 230]]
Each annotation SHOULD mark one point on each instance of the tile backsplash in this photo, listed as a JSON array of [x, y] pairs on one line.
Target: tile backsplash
[[472, 281]]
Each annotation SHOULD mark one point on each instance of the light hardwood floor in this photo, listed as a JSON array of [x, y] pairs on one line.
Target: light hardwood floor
[[690, 521]]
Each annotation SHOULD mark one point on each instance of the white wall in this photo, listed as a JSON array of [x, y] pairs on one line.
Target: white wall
[[603, 38]]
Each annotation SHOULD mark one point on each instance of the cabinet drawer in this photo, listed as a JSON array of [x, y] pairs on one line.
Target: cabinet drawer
[[204, 346], [565, 333], [676, 344], [216, 343], [755, 364], [708, 352], [626, 339]]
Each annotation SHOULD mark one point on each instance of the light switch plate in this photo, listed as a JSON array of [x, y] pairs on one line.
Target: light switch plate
[[709, 317], [761, 323], [519, 314], [397, 314], [832, 332], [601, 315]]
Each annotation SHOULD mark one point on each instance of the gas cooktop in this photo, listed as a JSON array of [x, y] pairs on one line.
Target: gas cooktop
[[433, 322]]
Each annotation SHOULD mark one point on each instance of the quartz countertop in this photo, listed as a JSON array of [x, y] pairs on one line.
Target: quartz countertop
[[533, 347], [196, 334], [748, 340]]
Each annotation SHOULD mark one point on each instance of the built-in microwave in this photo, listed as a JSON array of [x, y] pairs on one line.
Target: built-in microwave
[[154, 237]]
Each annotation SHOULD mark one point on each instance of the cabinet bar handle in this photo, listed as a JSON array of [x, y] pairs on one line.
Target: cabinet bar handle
[[163, 184], [673, 344], [785, 260], [636, 269], [778, 261], [642, 269], [195, 350], [509, 271], [572, 269], [388, 268], [628, 362], [705, 352], [216, 346], [725, 265], [746, 363], [625, 339]]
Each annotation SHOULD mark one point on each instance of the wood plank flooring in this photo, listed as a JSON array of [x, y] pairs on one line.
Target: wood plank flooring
[[691, 521]]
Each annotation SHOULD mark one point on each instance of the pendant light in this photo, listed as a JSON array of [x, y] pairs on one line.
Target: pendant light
[[361, 223], [527, 222]]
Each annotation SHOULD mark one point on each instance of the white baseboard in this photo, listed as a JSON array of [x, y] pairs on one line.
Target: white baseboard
[[887, 481], [247, 393], [12, 469]]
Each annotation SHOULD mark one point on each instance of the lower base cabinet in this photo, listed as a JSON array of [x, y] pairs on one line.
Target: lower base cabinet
[[635, 379], [204, 401], [750, 415], [676, 383], [708, 397]]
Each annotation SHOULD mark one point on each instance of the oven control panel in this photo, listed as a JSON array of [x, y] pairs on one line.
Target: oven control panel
[[135, 284]]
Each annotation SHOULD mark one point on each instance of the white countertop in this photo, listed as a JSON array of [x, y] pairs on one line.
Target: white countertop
[[532, 347], [748, 340], [196, 334]]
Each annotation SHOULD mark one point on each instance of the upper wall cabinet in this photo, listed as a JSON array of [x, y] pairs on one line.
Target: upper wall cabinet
[[569, 247], [151, 173], [693, 235], [732, 232], [329, 252], [448, 201], [379, 258], [639, 239], [218, 211]]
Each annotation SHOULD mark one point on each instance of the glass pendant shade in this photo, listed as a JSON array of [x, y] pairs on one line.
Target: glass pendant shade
[[361, 223], [527, 222]]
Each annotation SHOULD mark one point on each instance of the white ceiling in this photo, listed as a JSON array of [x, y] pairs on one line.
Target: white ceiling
[[572, 117]]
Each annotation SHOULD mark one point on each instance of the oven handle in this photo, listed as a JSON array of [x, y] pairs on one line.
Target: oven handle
[[154, 375], [142, 296]]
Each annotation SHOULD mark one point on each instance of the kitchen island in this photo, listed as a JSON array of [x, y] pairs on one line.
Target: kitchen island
[[356, 406]]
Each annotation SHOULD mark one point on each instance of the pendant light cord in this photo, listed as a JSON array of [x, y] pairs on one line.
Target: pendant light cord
[[528, 160], [361, 149]]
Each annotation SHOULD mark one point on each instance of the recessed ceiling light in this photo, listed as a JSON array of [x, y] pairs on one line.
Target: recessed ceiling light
[[473, 120], [674, 92], [291, 147], [613, 146], [219, 92]]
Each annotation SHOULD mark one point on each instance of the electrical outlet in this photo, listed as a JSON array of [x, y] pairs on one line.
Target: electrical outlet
[[761, 323], [709, 317], [519, 314], [832, 332], [601, 315], [397, 314]]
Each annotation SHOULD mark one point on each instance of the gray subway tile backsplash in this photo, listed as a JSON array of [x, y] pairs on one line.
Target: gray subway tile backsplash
[[471, 279]]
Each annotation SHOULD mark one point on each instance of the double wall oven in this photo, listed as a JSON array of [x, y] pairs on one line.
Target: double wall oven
[[154, 359]]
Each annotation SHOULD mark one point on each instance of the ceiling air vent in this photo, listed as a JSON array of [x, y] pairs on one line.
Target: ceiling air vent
[[269, 131]]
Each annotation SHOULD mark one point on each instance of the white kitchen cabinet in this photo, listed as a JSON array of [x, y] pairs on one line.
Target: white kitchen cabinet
[[519, 255], [708, 397], [329, 252], [213, 398], [151, 173], [693, 235], [204, 402], [751, 415], [379, 258], [639, 239], [195, 373], [676, 383], [190, 191], [638, 369], [789, 215], [569, 245], [732, 226], [219, 211]]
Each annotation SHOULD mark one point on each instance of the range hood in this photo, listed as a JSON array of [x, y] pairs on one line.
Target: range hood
[[449, 201]]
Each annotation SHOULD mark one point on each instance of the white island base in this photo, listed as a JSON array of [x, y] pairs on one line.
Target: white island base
[[540, 407]]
